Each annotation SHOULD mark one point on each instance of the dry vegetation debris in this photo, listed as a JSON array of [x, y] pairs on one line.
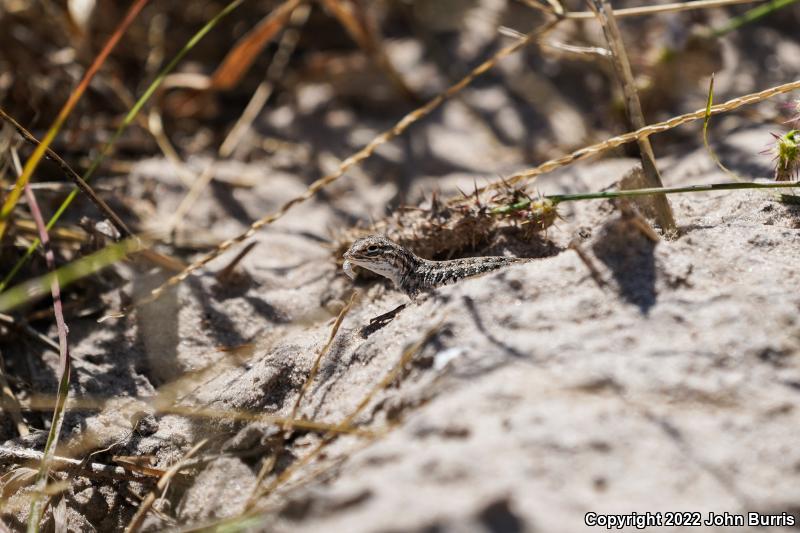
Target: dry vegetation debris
[[260, 395]]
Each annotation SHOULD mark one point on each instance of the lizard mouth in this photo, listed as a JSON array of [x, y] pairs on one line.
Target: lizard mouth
[[347, 266]]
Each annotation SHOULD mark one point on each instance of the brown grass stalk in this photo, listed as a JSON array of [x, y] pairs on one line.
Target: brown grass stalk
[[622, 67], [280, 61], [66, 464], [663, 8], [652, 129], [72, 175], [36, 508], [312, 374]]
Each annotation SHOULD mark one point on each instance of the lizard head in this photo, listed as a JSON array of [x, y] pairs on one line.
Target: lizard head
[[380, 255]]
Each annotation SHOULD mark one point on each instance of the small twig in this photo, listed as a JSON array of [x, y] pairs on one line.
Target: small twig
[[607, 17], [584, 257], [28, 330], [223, 275], [315, 367], [66, 464], [148, 501], [71, 174], [387, 380], [580, 50]]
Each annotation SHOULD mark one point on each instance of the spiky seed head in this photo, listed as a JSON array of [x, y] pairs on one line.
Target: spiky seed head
[[787, 155]]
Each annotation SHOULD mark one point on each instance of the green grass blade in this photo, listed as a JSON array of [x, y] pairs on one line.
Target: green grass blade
[[38, 287]]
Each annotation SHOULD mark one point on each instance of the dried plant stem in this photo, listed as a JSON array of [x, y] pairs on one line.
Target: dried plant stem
[[36, 288], [37, 508], [28, 330], [663, 8], [71, 174], [102, 206], [46, 403], [66, 464], [605, 14], [348, 163], [619, 140], [312, 374], [286, 46], [148, 501], [406, 357], [355, 19]]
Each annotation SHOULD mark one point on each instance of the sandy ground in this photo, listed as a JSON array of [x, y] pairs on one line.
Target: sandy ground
[[633, 376], [666, 382]]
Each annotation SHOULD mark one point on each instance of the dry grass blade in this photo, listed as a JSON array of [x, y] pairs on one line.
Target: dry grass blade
[[280, 60], [28, 330], [39, 152], [619, 140], [224, 275], [60, 516], [36, 508], [46, 403], [358, 24], [312, 374], [406, 357], [148, 501], [605, 14], [348, 163], [663, 8], [239, 59]]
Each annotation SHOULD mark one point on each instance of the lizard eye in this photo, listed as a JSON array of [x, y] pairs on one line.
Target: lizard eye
[[372, 249]]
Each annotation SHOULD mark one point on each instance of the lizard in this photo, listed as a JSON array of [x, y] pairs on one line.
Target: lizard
[[411, 273]]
